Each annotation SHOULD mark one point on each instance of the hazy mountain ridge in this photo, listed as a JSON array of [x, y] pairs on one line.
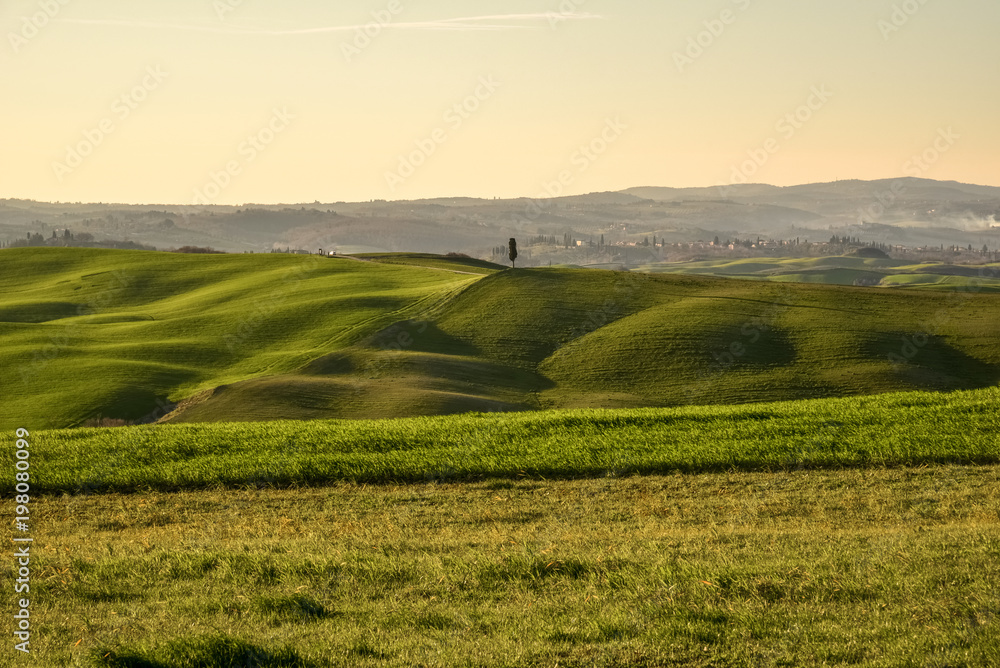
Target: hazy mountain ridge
[[907, 211]]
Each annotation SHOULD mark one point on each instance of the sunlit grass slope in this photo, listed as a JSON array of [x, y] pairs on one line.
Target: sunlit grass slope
[[843, 270], [903, 429], [456, 262], [742, 342], [849, 567], [90, 333], [605, 339], [270, 337]]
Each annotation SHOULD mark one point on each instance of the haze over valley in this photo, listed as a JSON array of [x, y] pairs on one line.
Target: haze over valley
[[907, 212]]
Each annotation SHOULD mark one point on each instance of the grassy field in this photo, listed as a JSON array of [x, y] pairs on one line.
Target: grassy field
[[267, 337], [564, 338], [680, 508], [456, 262], [158, 327], [909, 429], [846, 270], [866, 567], [842, 532]]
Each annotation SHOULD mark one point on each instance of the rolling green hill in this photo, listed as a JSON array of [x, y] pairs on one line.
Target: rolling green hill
[[843, 270], [452, 262], [89, 334], [94, 333]]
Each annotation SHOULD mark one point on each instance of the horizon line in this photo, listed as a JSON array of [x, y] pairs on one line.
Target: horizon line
[[488, 199]]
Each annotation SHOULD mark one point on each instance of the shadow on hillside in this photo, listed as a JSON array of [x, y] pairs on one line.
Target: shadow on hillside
[[421, 337], [931, 363], [412, 336], [756, 347], [39, 312]]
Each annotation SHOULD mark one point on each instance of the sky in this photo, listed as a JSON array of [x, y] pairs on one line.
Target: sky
[[259, 101]]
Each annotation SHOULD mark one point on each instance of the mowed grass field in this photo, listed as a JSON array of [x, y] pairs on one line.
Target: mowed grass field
[[94, 334], [843, 532], [845, 567], [907, 429]]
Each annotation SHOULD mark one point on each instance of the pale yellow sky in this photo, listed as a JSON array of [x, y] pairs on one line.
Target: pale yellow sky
[[230, 101]]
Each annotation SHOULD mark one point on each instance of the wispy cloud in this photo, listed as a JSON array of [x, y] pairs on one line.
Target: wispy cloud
[[487, 22]]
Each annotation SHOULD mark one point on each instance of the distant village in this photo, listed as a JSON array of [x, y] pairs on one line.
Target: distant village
[[540, 250]]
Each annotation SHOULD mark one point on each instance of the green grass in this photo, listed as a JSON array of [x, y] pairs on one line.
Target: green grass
[[459, 263], [90, 334], [158, 327], [203, 652], [711, 341], [767, 267], [842, 270], [942, 281], [866, 567], [857, 531], [906, 429], [831, 276]]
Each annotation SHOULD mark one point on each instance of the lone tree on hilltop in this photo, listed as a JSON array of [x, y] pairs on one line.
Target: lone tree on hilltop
[[512, 251]]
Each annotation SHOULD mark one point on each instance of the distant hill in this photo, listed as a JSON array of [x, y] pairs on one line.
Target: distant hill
[[904, 211], [663, 194], [852, 189], [126, 335]]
